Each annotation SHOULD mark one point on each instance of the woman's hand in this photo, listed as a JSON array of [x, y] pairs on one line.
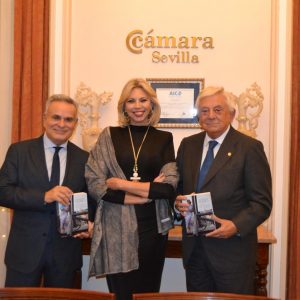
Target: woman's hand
[[91, 229], [115, 183], [160, 178]]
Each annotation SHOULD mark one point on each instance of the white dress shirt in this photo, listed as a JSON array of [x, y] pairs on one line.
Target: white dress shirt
[[207, 139], [49, 152]]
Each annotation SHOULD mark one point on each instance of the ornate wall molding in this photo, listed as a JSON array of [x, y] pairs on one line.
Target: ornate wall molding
[[249, 107], [89, 103]]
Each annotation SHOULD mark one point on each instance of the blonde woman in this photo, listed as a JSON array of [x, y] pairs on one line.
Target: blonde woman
[[132, 174]]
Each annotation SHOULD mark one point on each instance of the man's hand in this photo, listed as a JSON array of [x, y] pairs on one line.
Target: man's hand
[[226, 230], [86, 234], [61, 194], [181, 204]]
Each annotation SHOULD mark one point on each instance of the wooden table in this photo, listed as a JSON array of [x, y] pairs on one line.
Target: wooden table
[[265, 239]]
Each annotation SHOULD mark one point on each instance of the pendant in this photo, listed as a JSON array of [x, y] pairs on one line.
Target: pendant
[[135, 177]]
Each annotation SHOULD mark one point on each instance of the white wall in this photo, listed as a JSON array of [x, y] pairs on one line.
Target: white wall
[[242, 41], [6, 50], [251, 39]]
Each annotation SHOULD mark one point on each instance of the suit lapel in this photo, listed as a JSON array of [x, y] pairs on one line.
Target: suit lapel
[[39, 159], [68, 163], [196, 157]]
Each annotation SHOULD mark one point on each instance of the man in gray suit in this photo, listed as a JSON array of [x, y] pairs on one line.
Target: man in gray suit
[[35, 249], [239, 181]]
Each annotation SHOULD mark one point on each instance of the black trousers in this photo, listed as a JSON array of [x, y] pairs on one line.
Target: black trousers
[[147, 278], [51, 278], [46, 271], [201, 276]]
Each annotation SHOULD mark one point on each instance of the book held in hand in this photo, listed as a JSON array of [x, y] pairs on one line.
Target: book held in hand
[[73, 218], [198, 218]]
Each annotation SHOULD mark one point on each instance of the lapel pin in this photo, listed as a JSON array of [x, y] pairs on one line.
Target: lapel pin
[[229, 154]]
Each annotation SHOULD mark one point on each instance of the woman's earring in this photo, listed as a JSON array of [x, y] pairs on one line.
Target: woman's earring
[[150, 114], [125, 114], [151, 111]]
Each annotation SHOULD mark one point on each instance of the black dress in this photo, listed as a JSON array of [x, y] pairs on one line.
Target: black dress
[[156, 151]]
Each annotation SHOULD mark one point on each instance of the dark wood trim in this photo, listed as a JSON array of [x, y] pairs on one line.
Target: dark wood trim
[[40, 293], [293, 257]]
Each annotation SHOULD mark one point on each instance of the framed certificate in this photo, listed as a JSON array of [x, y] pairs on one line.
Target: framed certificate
[[177, 99]]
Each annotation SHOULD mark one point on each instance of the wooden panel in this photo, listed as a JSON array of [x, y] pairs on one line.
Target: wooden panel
[[52, 293], [293, 256], [197, 296]]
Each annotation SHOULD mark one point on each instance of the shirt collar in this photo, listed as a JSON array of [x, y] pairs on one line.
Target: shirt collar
[[48, 144], [220, 139]]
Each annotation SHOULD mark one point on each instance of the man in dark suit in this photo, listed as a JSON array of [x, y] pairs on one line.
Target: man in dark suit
[[35, 249], [239, 181]]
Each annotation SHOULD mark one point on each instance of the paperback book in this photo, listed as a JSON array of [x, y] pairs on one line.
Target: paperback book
[[198, 218], [73, 218]]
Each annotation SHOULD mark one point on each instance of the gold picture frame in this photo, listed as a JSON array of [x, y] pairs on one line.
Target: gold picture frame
[[177, 98]]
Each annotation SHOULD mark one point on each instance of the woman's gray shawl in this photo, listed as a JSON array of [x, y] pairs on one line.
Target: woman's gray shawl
[[114, 247]]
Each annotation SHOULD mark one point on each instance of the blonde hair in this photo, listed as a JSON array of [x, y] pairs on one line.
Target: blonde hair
[[214, 90], [145, 86]]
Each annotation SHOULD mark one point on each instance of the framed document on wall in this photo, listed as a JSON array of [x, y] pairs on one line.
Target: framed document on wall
[[177, 99]]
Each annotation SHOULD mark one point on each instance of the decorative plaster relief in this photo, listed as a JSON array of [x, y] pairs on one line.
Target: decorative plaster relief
[[89, 103], [249, 107]]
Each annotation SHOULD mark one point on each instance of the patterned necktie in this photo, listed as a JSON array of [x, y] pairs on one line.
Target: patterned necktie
[[55, 172], [206, 164]]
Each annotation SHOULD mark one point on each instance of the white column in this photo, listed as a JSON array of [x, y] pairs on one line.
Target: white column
[[281, 87], [60, 42]]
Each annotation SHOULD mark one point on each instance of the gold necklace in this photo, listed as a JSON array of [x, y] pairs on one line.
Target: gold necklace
[[135, 175]]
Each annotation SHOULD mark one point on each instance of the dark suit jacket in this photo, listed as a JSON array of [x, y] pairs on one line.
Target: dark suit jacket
[[23, 183], [239, 181]]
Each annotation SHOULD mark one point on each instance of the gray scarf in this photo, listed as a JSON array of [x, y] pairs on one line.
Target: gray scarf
[[114, 246]]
